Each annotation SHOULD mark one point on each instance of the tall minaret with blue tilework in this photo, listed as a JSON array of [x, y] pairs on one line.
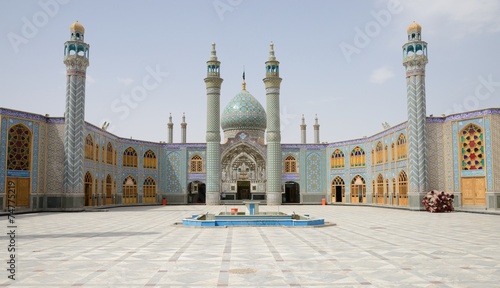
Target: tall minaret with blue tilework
[[213, 83], [414, 60], [273, 133], [76, 58]]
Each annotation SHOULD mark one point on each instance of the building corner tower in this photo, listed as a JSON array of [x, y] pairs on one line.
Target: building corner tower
[[76, 59], [414, 60], [213, 83], [170, 130], [316, 129], [183, 128], [273, 133], [303, 127]]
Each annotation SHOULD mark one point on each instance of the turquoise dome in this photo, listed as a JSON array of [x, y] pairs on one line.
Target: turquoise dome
[[243, 112]]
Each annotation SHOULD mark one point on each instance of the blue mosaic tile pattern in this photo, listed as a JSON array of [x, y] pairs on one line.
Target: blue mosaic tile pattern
[[243, 112], [489, 154], [173, 173], [313, 173], [3, 156]]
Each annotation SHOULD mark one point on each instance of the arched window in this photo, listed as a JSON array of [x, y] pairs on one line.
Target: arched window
[[149, 188], [129, 190], [196, 164], [403, 188], [472, 144], [89, 147], [109, 154], [103, 154], [109, 190], [358, 157], [402, 154], [379, 153], [337, 161], [130, 157], [19, 148], [290, 164], [150, 159]]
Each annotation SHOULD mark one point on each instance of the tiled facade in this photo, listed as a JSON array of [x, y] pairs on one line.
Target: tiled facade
[[245, 167]]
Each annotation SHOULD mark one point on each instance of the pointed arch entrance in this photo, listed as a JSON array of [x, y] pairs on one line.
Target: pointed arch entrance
[[292, 192], [87, 189], [196, 192], [403, 188], [244, 173], [358, 189], [338, 190]]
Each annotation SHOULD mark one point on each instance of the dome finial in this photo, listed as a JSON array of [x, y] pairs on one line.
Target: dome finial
[[271, 52], [213, 53], [243, 84]]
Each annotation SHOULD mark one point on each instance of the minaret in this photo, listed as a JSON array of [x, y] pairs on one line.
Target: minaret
[[303, 131], [316, 129], [76, 59], [170, 126], [273, 133], [213, 83], [414, 60], [183, 128]]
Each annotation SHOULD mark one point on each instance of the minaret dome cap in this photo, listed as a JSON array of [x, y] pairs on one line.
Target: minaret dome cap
[[414, 27], [77, 26]]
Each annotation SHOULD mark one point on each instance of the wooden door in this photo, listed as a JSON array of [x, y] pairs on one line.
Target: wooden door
[[21, 189], [473, 191]]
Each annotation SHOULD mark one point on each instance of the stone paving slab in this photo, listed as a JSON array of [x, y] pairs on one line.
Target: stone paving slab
[[141, 247]]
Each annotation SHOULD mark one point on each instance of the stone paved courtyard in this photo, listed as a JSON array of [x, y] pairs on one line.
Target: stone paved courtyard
[[141, 247]]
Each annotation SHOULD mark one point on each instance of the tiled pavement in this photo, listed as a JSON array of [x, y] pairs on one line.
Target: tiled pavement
[[141, 247]]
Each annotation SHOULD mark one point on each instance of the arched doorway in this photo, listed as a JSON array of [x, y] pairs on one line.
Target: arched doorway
[[338, 190], [403, 188], [149, 190], [358, 189], [129, 190], [109, 190], [380, 189], [292, 192], [87, 189], [196, 192]]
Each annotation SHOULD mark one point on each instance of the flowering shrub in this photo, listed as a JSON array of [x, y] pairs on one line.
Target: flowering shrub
[[436, 201]]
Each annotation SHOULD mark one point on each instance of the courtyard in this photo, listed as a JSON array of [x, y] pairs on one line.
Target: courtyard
[[143, 247]]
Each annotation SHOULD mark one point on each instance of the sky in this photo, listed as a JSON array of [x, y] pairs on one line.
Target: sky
[[341, 60]]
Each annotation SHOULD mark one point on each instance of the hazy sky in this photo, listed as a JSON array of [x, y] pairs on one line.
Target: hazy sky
[[339, 59]]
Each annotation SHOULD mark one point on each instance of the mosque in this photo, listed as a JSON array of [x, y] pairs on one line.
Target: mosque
[[66, 164]]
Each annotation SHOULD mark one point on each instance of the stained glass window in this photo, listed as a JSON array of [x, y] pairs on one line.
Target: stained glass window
[[401, 147], [379, 153], [196, 165], [358, 157], [472, 148], [19, 140], [89, 147], [130, 157], [290, 164], [109, 154], [150, 159], [337, 161]]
